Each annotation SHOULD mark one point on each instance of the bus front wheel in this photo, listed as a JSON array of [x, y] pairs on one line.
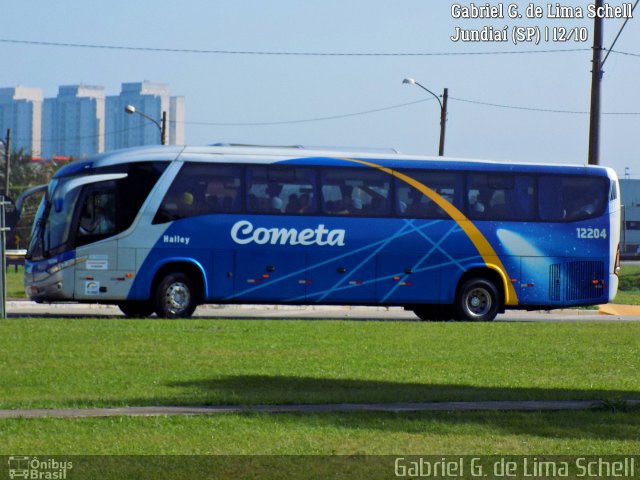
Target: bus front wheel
[[175, 296], [478, 300]]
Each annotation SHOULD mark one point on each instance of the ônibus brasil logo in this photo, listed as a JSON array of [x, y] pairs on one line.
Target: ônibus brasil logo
[[35, 468]]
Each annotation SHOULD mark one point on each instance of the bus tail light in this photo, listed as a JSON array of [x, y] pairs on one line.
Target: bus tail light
[[616, 269]]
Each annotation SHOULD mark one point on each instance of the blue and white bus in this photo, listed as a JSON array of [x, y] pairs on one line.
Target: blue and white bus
[[164, 229]]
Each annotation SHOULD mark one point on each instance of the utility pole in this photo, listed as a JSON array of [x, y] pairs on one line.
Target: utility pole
[[7, 162], [596, 78], [163, 129], [443, 121], [3, 229], [443, 109]]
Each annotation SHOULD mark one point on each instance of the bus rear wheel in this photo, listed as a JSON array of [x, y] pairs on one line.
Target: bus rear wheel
[[478, 300], [175, 296]]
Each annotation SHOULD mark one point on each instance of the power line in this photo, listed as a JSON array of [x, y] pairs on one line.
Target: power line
[[401, 105], [625, 53], [618, 35], [279, 53], [307, 120], [536, 109], [344, 115]]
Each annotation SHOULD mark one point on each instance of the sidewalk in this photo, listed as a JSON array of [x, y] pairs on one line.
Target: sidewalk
[[609, 312], [155, 411]]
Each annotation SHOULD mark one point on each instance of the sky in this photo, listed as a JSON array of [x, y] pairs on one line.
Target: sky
[[507, 101]]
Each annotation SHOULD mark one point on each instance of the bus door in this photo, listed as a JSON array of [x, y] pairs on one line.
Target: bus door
[[222, 279], [269, 275], [97, 269]]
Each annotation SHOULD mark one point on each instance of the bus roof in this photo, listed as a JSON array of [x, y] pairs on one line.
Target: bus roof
[[263, 154]]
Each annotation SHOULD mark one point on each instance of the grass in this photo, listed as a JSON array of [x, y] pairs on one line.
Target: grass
[[15, 283], [629, 291], [462, 433], [114, 362]]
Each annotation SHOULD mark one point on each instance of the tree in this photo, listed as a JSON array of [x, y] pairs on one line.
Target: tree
[[24, 173]]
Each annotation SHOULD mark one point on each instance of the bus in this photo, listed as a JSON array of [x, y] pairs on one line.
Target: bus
[[164, 229]]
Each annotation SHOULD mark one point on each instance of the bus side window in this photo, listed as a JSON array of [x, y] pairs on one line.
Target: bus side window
[[572, 198], [411, 202], [278, 189], [356, 192], [497, 196], [201, 189]]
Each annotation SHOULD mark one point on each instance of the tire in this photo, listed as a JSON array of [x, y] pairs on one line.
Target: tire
[[137, 309], [477, 300], [175, 296], [435, 313]]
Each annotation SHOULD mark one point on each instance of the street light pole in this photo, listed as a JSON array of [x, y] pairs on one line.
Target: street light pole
[[7, 160], [443, 110], [161, 126]]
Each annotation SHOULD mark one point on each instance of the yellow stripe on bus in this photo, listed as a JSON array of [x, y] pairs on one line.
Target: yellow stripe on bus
[[486, 251]]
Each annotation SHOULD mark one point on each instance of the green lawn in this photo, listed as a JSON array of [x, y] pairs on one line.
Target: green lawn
[[477, 433], [106, 362], [115, 362], [15, 283], [629, 291]]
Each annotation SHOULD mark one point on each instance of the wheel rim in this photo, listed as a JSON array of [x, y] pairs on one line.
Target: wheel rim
[[177, 298], [478, 302]]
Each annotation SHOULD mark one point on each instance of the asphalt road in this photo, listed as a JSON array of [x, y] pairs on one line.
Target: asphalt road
[[16, 309]]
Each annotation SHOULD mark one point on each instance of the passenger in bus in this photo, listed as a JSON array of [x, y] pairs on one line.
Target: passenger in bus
[[347, 204], [585, 204], [253, 205], [415, 208], [186, 200], [377, 206], [305, 202], [475, 205], [293, 206], [96, 218], [227, 203], [213, 203], [275, 202]]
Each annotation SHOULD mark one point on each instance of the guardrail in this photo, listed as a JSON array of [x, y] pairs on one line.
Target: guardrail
[[15, 258]]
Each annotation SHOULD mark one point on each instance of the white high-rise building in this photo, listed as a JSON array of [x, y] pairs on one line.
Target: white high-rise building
[[131, 130], [21, 111], [176, 121], [81, 121], [74, 122]]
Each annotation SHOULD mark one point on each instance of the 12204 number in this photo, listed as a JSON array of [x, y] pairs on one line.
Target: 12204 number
[[592, 233]]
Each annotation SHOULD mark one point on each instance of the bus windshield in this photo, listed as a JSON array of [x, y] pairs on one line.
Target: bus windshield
[[53, 220], [82, 209]]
